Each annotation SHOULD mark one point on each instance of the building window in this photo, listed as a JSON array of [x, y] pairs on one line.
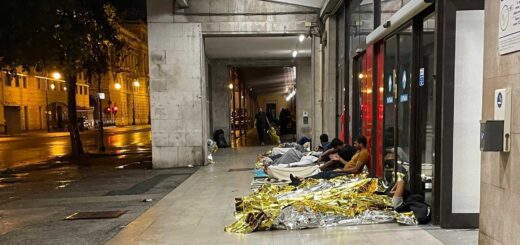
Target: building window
[[86, 90], [80, 89], [8, 80], [24, 82], [17, 81]]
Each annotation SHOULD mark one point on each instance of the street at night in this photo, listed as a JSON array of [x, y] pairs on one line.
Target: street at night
[[33, 148]]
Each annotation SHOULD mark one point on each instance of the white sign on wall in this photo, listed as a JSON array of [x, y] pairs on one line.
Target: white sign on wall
[[509, 27]]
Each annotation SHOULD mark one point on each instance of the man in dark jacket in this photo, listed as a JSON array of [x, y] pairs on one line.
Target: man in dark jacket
[[261, 124]]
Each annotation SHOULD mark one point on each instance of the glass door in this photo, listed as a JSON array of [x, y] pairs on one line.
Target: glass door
[[389, 94], [397, 110], [426, 107]]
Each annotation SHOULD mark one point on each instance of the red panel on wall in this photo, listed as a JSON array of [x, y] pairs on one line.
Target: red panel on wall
[[366, 96], [380, 109]]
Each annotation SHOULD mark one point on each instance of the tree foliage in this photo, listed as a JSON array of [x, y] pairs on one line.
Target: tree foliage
[[71, 36]]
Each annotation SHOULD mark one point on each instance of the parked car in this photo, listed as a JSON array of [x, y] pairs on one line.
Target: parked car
[[83, 123]]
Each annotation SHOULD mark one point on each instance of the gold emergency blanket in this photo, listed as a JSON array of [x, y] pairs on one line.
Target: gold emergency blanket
[[345, 200]]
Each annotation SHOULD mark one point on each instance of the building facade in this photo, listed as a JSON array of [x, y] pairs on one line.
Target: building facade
[[36, 101], [126, 88], [413, 76], [407, 69]]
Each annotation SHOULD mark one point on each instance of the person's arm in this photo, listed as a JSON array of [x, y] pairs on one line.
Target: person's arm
[[358, 167], [355, 169], [327, 153]]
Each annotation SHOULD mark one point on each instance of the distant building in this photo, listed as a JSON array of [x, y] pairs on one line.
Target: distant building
[[126, 90], [24, 97]]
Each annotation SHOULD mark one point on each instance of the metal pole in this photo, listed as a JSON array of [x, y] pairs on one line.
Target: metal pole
[[47, 104], [100, 124], [133, 106]]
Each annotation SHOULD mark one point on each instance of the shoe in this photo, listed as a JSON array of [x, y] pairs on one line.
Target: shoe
[[293, 179]]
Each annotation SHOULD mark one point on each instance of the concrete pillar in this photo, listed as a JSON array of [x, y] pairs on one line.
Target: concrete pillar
[[220, 105], [177, 88], [304, 102], [500, 182], [329, 81], [317, 95]]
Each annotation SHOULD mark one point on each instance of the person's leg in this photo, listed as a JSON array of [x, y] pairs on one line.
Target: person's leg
[[323, 175], [260, 132], [330, 165]]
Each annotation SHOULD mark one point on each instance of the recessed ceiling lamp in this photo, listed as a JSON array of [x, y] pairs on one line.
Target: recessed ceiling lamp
[[301, 38], [292, 94], [294, 53]]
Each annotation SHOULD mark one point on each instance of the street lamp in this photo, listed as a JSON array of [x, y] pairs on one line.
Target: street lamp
[[136, 84], [56, 75], [53, 86], [117, 86]]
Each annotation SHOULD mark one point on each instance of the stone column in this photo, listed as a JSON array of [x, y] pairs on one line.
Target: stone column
[[500, 172], [176, 88], [317, 95], [221, 94], [304, 102], [329, 81]]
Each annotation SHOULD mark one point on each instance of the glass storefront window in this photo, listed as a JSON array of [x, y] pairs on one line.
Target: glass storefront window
[[397, 97], [426, 120]]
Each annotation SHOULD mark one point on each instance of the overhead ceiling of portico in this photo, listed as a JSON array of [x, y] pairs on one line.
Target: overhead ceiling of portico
[[265, 80], [256, 47], [306, 3]]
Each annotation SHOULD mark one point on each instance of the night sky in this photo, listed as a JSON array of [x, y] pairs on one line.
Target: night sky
[[131, 9]]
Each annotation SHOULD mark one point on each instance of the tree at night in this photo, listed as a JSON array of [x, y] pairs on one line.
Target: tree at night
[[70, 36]]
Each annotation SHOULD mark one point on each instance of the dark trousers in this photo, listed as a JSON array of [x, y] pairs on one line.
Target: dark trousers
[[327, 175], [261, 134]]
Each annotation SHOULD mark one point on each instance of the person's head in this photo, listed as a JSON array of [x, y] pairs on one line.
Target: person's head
[[336, 143], [260, 109], [324, 138], [360, 143]]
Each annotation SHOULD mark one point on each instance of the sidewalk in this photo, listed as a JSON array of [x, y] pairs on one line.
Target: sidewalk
[[45, 134], [197, 211]]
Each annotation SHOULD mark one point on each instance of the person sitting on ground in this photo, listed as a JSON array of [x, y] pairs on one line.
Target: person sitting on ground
[[335, 146], [354, 166], [324, 143]]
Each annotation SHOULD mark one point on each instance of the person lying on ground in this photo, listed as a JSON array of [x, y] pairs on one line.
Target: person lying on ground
[[354, 166]]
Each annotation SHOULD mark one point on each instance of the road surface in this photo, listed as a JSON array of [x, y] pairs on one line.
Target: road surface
[[37, 147]]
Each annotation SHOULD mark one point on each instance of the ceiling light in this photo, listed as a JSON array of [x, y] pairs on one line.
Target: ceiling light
[[292, 94], [230, 86], [294, 53], [301, 38]]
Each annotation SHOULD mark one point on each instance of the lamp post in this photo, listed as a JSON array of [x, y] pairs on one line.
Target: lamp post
[[47, 104], [101, 96], [57, 76], [136, 85]]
